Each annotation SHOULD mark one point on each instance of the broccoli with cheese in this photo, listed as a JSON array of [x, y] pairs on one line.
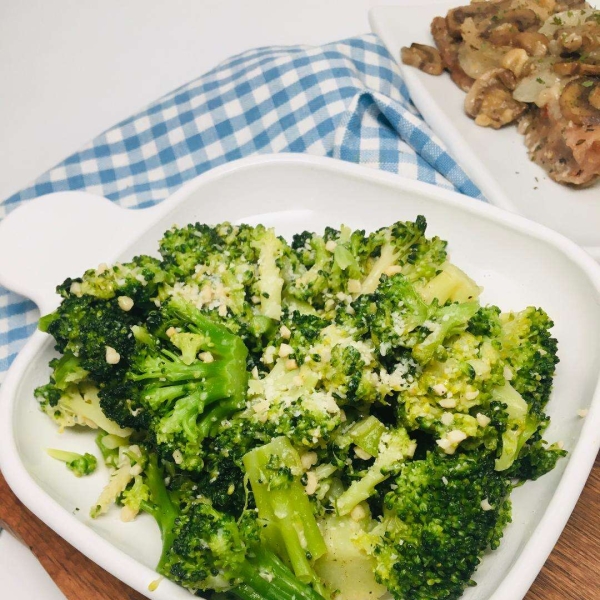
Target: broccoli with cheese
[[337, 417]]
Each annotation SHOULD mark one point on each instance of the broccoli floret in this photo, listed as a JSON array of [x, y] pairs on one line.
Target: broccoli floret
[[205, 549], [96, 331], [311, 281], [236, 279], [347, 377], [269, 280], [485, 322], [395, 316], [442, 516], [530, 352], [134, 283], [222, 482], [304, 332], [390, 313], [286, 402], [519, 425], [444, 323], [403, 248], [393, 448], [183, 394], [536, 459], [183, 249], [290, 530], [77, 405], [79, 464]]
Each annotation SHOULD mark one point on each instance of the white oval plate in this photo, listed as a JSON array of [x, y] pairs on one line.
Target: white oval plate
[[519, 263], [496, 161]]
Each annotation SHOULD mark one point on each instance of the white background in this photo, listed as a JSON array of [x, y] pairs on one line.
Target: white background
[[70, 69]]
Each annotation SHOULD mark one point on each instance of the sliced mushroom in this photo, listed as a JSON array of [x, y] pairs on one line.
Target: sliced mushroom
[[594, 97], [580, 101], [479, 10], [517, 19], [563, 5], [448, 48], [569, 39], [574, 67], [490, 100], [421, 56], [535, 44]]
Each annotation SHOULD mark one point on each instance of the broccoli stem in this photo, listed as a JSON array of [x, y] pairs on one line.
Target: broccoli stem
[[521, 425], [79, 464], [393, 448], [162, 508], [280, 583], [215, 416], [292, 531], [227, 346], [367, 433], [172, 370]]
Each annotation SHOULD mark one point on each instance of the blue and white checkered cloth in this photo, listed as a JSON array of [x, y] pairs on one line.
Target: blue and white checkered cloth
[[345, 100]]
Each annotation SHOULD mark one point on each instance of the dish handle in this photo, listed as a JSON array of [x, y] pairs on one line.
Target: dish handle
[[58, 235]]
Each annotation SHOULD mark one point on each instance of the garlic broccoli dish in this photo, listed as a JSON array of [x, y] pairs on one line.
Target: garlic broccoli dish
[[337, 417]]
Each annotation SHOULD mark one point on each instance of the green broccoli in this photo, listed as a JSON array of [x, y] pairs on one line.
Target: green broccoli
[[392, 448], [183, 249], [290, 530], [96, 331], [304, 419], [441, 517], [134, 284], [403, 248], [287, 402], [187, 375], [530, 352], [205, 549], [79, 464]]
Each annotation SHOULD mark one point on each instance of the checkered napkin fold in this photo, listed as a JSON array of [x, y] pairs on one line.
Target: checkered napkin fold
[[345, 100]]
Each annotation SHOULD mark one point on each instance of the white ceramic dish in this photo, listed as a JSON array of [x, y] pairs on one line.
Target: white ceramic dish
[[518, 262], [497, 161]]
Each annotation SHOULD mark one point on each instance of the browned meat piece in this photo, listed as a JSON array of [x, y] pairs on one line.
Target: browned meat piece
[[421, 56], [570, 154], [448, 48]]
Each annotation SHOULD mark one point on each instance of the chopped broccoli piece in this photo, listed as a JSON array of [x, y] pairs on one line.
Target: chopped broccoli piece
[[204, 548], [79, 464], [183, 395], [291, 531], [333, 416], [438, 521], [393, 448]]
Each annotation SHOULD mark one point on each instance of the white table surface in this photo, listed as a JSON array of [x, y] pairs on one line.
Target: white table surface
[[70, 69]]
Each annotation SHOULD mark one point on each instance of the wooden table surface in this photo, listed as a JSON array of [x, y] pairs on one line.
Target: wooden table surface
[[571, 573]]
